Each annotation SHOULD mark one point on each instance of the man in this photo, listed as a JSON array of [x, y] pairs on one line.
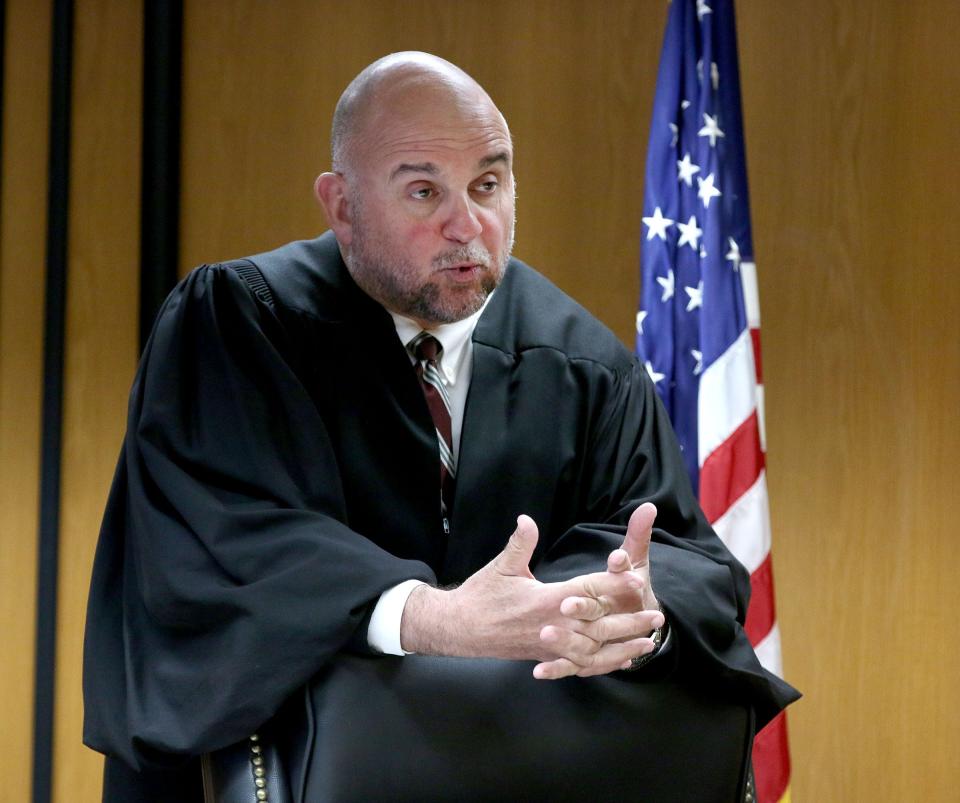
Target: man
[[325, 438]]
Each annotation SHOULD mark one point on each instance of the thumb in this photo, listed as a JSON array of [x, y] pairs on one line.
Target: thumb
[[639, 528], [516, 555]]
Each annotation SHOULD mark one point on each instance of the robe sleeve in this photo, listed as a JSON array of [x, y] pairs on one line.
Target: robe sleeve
[[703, 590], [226, 574]]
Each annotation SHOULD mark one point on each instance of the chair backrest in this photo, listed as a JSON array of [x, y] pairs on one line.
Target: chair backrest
[[423, 728]]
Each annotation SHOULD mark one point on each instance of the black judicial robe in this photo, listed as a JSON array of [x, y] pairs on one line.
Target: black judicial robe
[[279, 473]]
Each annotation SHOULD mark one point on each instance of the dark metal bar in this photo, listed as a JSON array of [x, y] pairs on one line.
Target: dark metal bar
[[160, 171], [3, 39], [52, 427]]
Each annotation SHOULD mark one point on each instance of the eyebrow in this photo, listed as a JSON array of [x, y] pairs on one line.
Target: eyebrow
[[422, 167], [432, 169], [500, 156]]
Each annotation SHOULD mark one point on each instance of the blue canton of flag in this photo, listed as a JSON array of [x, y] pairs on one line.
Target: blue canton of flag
[[696, 216]]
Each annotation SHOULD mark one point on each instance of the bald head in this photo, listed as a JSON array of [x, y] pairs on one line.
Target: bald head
[[400, 84], [421, 196]]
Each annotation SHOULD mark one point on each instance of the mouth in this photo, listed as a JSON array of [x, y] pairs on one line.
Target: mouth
[[464, 271]]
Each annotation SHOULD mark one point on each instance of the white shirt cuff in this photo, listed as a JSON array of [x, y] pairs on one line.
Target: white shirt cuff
[[383, 633]]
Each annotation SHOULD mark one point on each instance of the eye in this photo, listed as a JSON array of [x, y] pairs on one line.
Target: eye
[[422, 193], [487, 187]]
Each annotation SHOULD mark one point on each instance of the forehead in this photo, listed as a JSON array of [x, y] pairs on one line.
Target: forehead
[[440, 131]]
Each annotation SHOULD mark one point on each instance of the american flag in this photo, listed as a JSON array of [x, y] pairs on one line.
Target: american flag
[[699, 317]]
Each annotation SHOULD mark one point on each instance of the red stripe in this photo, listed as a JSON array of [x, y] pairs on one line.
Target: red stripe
[[761, 613], [730, 470], [757, 361], [771, 760]]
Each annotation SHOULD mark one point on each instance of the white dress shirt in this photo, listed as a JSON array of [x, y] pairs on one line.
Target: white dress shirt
[[456, 367]]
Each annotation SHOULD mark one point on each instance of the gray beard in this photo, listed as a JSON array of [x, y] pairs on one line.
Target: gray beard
[[392, 284]]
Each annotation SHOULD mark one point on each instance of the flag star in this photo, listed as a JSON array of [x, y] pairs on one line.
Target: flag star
[[657, 225], [684, 105], [715, 74], [686, 169], [703, 251], [698, 358], [710, 129], [703, 9], [733, 255], [667, 283], [696, 296], [654, 375], [707, 191], [640, 317], [676, 133], [689, 233]]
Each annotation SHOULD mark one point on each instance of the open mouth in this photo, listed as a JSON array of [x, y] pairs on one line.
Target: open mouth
[[464, 272]]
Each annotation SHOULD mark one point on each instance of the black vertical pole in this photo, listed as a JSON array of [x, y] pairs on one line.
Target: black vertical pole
[[3, 39], [52, 425], [160, 171]]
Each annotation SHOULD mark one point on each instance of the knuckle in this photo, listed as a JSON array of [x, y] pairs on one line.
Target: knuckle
[[637, 579], [587, 608], [605, 630], [565, 668]]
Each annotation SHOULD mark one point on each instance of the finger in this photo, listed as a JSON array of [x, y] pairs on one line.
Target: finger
[[619, 561], [611, 658], [616, 655], [602, 593], [639, 529], [514, 560], [569, 644], [556, 669], [622, 626], [589, 609]]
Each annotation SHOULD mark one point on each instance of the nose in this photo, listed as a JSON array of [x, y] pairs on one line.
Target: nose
[[461, 224]]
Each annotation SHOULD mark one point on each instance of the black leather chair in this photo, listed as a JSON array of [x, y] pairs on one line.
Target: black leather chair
[[448, 729]]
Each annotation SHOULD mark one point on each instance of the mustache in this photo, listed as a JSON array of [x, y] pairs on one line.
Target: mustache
[[475, 254]]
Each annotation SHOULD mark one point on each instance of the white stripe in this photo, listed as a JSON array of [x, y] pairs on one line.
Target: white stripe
[[727, 395], [445, 456], [745, 526], [751, 296], [768, 651], [431, 375]]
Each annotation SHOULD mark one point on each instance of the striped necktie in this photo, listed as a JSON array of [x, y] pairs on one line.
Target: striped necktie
[[427, 350]]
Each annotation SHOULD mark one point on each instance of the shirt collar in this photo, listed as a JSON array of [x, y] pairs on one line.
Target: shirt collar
[[453, 338]]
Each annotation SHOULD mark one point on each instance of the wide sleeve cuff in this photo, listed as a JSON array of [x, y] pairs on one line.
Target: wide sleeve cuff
[[383, 633]]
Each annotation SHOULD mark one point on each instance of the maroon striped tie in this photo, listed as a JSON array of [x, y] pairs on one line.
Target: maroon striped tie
[[427, 350]]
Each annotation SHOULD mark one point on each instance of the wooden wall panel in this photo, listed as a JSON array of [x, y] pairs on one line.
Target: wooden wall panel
[[574, 79], [22, 269], [850, 120], [101, 349]]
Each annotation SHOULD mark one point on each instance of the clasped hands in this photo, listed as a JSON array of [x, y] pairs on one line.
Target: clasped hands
[[588, 625]]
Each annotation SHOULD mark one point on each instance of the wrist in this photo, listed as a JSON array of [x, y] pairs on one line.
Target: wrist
[[425, 625]]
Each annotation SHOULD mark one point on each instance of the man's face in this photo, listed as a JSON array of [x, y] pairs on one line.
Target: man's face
[[432, 207]]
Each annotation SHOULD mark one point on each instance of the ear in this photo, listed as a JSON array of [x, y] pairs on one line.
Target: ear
[[332, 193]]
